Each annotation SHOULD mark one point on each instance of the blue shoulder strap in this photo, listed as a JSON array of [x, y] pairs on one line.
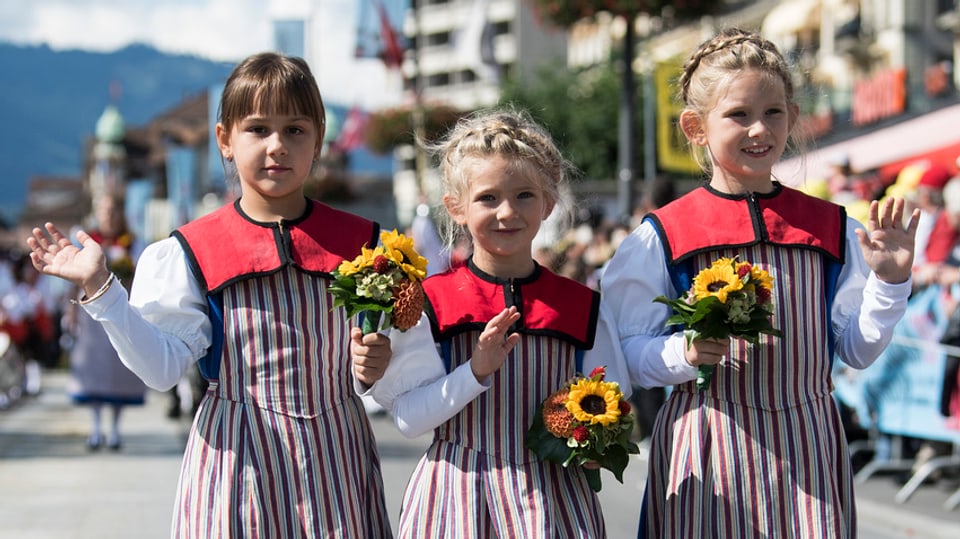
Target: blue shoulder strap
[[210, 363], [445, 354], [831, 273]]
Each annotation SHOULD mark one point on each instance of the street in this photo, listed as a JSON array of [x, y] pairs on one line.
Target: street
[[51, 487]]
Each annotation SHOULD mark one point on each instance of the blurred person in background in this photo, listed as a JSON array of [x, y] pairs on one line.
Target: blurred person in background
[[936, 235], [28, 322], [98, 379]]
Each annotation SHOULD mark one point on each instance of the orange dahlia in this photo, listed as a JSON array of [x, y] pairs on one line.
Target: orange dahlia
[[408, 306], [556, 418]]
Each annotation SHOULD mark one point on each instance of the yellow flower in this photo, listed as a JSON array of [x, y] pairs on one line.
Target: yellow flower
[[718, 280], [400, 250], [363, 261], [593, 402], [761, 278]]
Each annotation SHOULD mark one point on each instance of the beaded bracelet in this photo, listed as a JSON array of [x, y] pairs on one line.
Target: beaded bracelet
[[100, 292]]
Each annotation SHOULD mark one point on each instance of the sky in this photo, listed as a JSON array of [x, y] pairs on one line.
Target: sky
[[222, 30]]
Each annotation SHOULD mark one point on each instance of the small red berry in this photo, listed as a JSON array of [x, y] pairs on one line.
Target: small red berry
[[624, 407], [381, 264], [580, 434]]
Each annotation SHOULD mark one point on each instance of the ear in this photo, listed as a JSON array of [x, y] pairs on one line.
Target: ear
[[223, 142], [692, 126], [455, 209], [548, 209]]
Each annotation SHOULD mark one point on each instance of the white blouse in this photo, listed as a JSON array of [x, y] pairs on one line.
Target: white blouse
[[164, 327], [865, 309]]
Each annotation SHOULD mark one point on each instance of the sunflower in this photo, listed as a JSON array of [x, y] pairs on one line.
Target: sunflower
[[593, 401], [761, 278], [399, 248], [362, 261], [718, 280]]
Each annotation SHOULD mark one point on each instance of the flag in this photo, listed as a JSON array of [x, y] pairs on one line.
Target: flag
[[376, 33], [351, 135], [474, 44]]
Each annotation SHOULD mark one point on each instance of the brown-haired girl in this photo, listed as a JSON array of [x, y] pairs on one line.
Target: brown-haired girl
[[281, 445]]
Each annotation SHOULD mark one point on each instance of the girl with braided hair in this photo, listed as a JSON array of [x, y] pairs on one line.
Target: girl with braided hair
[[509, 333], [760, 452]]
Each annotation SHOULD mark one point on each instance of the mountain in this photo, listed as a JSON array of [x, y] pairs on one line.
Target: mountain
[[52, 100]]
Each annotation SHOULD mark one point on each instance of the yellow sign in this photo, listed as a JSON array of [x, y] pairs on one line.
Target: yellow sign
[[673, 150]]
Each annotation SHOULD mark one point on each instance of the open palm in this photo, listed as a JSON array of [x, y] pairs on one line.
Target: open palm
[[54, 254], [888, 247]]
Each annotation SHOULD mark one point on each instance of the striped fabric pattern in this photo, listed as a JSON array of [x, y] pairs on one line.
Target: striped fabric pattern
[[761, 453], [478, 480], [281, 446]]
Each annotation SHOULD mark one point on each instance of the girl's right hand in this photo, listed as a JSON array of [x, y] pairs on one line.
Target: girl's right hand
[[706, 351], [494, 344], [52, 253]]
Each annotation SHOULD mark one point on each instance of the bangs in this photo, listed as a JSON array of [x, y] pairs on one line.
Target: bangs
[[272, 90]]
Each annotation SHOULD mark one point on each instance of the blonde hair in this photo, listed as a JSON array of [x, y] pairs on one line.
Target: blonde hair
[[508, 133], [718, 61]]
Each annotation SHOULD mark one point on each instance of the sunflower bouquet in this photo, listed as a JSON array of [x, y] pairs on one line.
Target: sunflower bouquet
[[586, 421], [383, 283], [728, 299]]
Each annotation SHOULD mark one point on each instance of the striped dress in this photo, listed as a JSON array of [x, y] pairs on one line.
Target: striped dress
[[281, 446], [761, 452], [477, 479]]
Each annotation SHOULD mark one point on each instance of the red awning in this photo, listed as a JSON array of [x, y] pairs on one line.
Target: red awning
[[935, 135]]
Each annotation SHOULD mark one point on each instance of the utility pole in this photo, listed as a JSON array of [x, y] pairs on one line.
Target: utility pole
[[626, 122]]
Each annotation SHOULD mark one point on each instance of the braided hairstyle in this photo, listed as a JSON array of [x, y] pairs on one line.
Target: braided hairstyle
[[508, 133], [719, 60]]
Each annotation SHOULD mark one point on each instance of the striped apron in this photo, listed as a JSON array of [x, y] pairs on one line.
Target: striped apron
[[478, 480], [281, 446], [762, 452]]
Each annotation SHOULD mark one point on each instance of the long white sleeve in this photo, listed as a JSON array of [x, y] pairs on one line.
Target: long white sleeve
[[635, 275], [164, 327], [416, 387], [606, 352], [864, 311]]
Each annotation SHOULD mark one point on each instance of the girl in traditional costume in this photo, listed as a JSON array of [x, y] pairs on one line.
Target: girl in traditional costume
[[761, 451], [281, 445], [509, 333]]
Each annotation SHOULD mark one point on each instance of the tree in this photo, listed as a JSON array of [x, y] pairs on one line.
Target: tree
[[586, 133], [564, 13]]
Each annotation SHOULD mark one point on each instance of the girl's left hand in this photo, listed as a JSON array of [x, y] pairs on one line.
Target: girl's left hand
[[888, 247]]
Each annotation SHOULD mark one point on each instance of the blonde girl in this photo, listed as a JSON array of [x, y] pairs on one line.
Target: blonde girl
[[736, 459]]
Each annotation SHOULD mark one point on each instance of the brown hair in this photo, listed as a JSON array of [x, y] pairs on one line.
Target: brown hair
[[274, 84]]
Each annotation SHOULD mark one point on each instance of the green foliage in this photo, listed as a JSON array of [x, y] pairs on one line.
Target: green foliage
[[564, 13], [580, 108], [389, 128]]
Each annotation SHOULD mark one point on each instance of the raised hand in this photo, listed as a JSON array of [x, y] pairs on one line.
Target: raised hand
[[52, 253], [888, 246], [494, 343]]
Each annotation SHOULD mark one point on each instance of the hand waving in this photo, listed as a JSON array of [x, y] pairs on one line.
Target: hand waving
[[52, 253], [888, 247], [494, 343]]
